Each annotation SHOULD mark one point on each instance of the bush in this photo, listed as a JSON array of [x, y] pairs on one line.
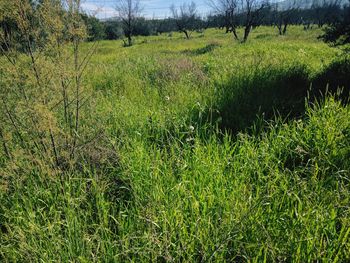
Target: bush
[[338, 33]]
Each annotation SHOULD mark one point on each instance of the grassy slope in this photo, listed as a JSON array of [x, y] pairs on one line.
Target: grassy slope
[[191, 194]]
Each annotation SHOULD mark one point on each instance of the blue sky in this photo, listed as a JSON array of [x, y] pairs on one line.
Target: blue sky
[[156, 8]]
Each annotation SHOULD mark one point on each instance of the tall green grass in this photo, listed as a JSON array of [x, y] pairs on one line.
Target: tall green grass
[[282, 196], [225, 156]]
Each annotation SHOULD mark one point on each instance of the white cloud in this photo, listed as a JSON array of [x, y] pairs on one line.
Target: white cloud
[[157, 8], [99, 11]]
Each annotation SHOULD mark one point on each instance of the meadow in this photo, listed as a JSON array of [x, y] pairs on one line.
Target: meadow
[[226, 152]]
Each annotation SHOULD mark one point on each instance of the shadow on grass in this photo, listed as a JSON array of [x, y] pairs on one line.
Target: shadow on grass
[[249, 100], [336, 76], [261, 93], [245, 102], [203, 50]]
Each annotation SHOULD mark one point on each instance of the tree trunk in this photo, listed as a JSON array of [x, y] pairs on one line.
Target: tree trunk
[[285, 29], [279, 26], [186, 34], [129, 40], [246, 32], [234, 33]]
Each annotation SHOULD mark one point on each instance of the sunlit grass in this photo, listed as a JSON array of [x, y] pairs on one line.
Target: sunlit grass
[[200, 179]]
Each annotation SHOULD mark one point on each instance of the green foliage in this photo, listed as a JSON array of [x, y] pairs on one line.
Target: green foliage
[[95, 28], [182, 189], [338, 33], [113, 30], [41, 90]]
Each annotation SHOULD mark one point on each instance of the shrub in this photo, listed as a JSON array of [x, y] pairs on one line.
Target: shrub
[[42, 89]]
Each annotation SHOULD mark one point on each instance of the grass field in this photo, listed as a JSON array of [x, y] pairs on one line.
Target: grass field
[[227, 152]]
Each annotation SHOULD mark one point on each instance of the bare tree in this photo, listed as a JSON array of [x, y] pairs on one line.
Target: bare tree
[[228, 10], [185, 18], [248, 13], [284, 15], [128, 12], [326, 11], [253, 12]]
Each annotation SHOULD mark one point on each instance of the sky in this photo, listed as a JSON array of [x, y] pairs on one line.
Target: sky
[[151, 8]]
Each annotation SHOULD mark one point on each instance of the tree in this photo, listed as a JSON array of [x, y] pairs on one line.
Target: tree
[[185, 18], [338, 33], [113, 30], [253, 13], [95, 28], [228, 10], [128, 12], [248, 13], [164, 25], [284, 15], [325, 11]]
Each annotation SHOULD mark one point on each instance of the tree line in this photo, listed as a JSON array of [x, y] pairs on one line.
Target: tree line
[[228, 15]]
